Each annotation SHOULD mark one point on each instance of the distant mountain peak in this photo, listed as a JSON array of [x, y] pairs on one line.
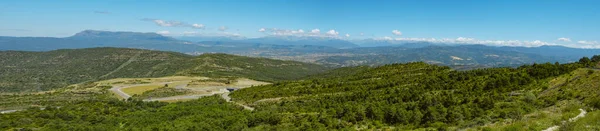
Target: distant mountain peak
[[120, 35]]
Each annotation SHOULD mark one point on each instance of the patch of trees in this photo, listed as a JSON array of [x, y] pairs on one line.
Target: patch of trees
[[590, 62]]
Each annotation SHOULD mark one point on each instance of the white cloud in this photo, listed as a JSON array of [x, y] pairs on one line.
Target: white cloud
[[332, 33], [165, 23], [466, 40], [223, 28], [347, 35], [463, 39], [284, 32], [164, 32], [198, 26], [396, 32], [362, 34], [231, 34], [588, 42], [564, 39], [385, 38], [315, 31], [300, 31], [189, 33]]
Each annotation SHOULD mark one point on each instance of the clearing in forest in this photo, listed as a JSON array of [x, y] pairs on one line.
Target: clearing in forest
[[175, 88]]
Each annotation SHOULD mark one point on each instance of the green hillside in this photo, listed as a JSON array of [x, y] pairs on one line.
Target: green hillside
[[43, 71], [263, 69], [411, 96]]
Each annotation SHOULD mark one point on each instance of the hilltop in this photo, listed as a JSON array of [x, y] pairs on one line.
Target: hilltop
[[43, 71]]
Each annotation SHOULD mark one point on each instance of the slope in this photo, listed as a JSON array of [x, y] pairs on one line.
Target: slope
[[42, 71], [263, 69], [391, 97], [411, 96]]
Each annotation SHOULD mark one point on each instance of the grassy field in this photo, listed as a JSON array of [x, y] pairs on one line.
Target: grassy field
[[68, 95], [148, 87], [138, 90]]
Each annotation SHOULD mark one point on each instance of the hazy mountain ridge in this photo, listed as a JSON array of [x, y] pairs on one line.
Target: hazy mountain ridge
[[328, 51]]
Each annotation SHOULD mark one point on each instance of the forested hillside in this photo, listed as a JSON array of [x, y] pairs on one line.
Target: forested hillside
[[42, 71], [397, 96], [416, 95], [263, 69]]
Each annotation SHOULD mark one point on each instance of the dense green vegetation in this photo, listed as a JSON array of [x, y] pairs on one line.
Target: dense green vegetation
[[42, 71], [262, 69], [412, 95], [62, 96], [211, 113], [397, 96]]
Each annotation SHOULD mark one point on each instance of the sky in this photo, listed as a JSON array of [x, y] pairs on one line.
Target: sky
[[573, 23]]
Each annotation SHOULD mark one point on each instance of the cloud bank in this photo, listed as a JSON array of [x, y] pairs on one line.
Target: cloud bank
[[165, 23], [163, 32], [223, 28], [466, 40], [564, 39], [396, 32], [300, 32]]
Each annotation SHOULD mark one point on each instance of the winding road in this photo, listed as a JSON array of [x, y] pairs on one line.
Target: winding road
[[228, 99], [556, 127]]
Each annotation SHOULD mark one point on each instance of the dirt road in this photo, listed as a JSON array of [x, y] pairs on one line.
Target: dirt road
[[556, 127], [117, 89], [8, 111], [228, 99]]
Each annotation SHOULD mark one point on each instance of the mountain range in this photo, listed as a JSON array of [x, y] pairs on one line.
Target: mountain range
[[321, 50]]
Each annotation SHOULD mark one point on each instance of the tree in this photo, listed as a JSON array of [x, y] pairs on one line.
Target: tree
[[585, 60], [596, 58]]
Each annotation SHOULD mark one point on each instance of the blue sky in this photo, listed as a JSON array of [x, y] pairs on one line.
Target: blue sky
[[512, 22]]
